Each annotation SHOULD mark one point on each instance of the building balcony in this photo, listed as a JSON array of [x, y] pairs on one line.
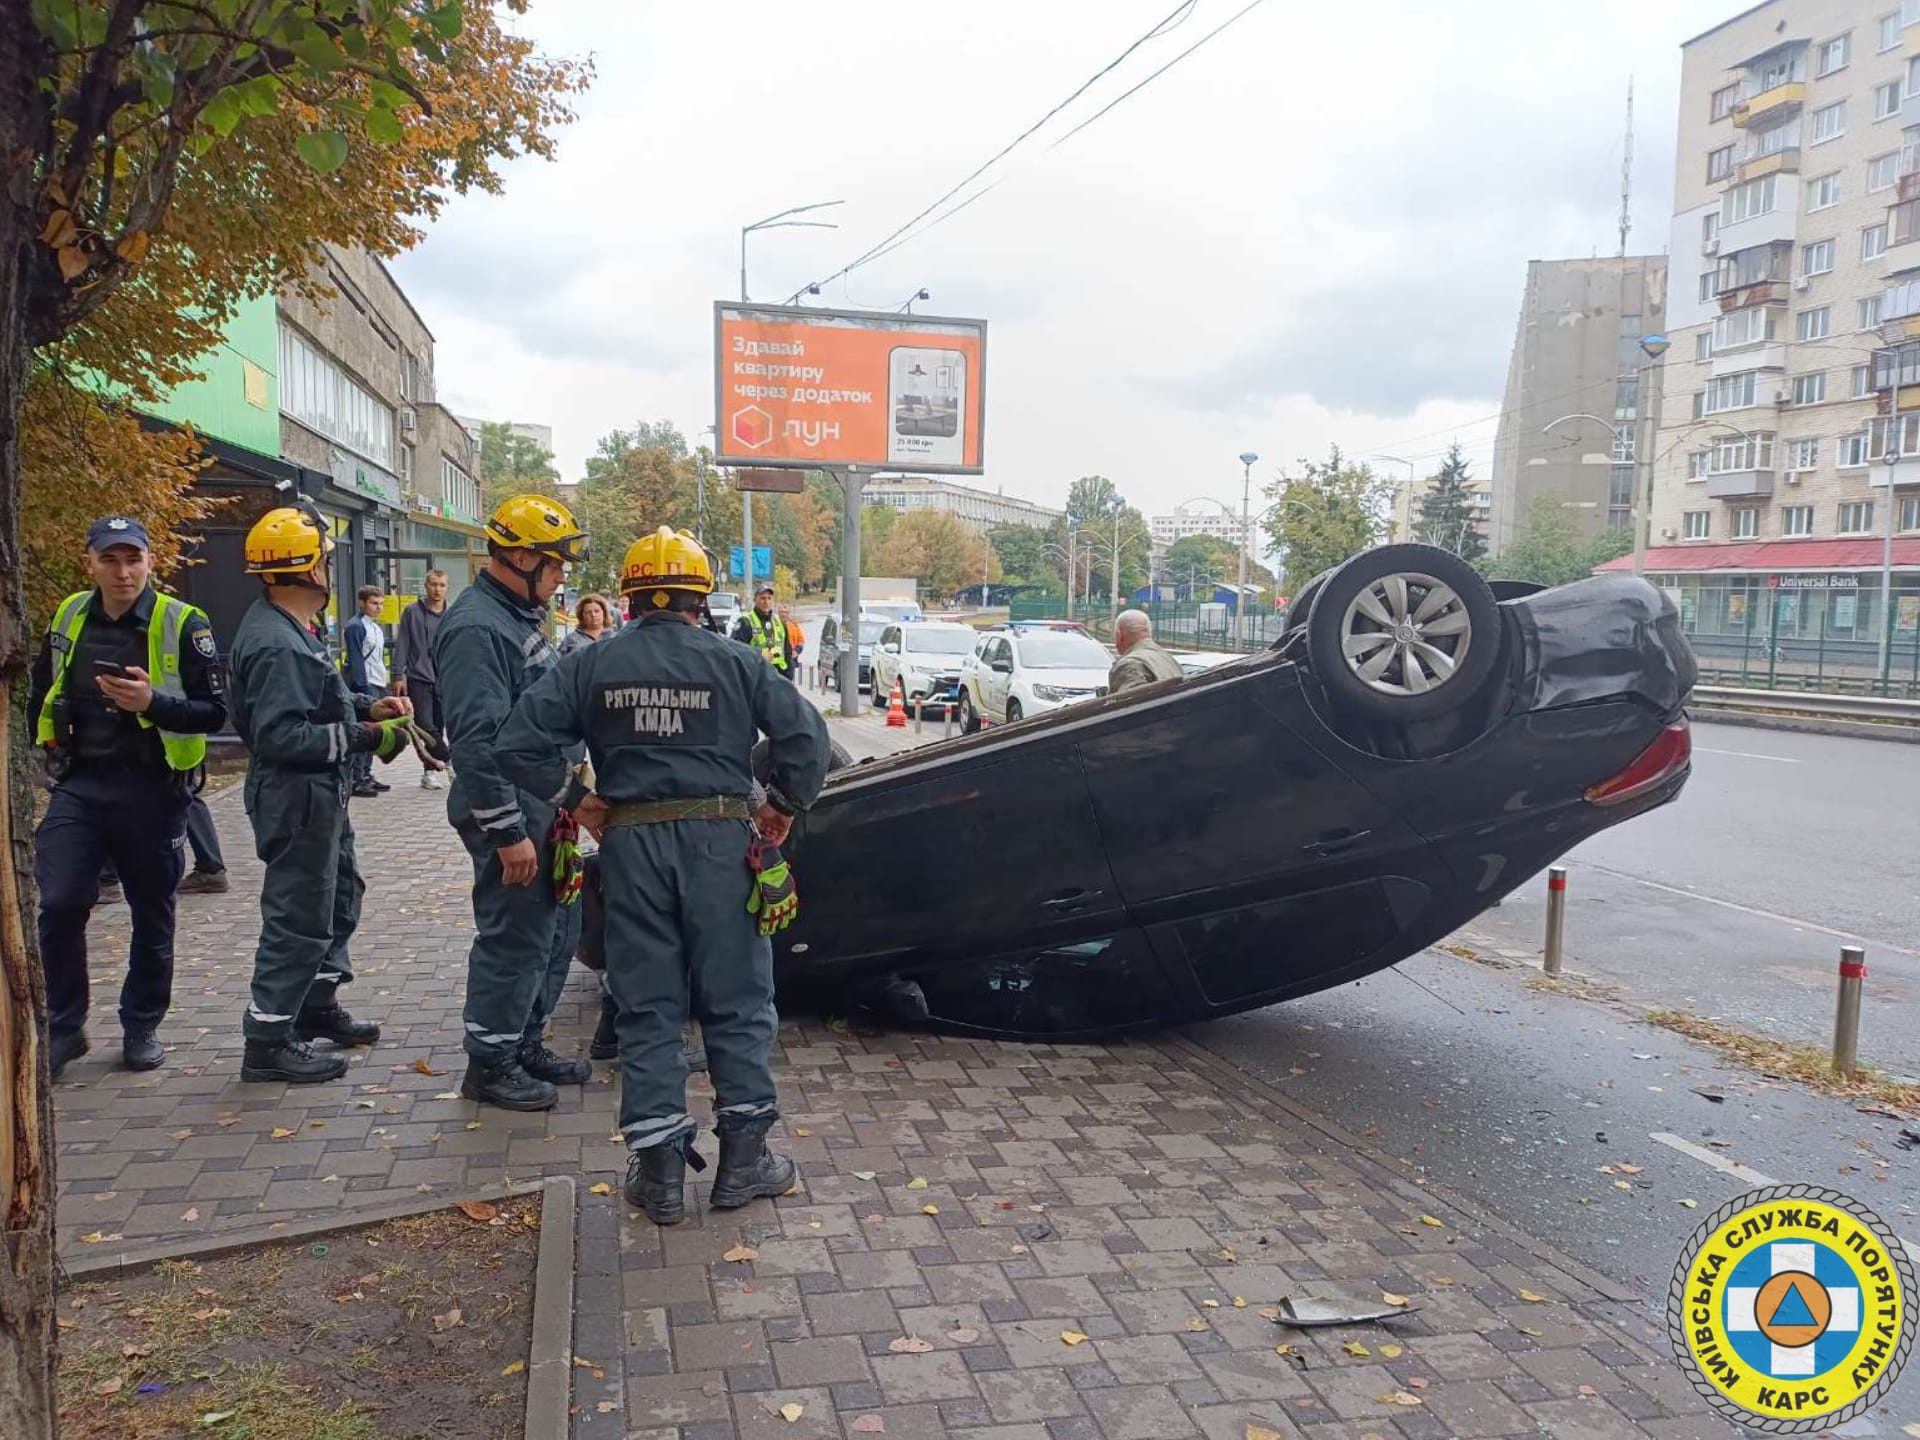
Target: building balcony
[[1767, 355], [1740, 485], [1781, 162], [1770, 104], [1761, 292]]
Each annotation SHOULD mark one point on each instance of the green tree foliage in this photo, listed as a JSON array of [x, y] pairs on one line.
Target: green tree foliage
[[1332, 510], [1447, 515], [1550, 551], [512, 464], [1023, 556], [1191, 559], [936, 549]]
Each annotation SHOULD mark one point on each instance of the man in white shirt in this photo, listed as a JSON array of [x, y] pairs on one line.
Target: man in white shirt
[[366, 646]]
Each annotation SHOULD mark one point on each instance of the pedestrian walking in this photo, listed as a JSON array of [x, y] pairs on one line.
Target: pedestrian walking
[[1141, 661], [124, 692], [669, 715], [303, 727], [365, 644], [593, 618], [413, 672], [209, 873], [766, 632], [491, 647], [796, 639]]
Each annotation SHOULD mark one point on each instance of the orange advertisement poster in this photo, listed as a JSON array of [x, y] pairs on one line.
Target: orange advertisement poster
[[830, 388]]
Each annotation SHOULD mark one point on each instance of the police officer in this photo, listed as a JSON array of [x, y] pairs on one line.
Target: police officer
[[766, 632], [302, 727], [669, 713], [124, 692], [490, 647]]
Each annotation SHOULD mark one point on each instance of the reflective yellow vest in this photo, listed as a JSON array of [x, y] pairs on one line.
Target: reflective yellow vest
[[770, 635], [169, 622]]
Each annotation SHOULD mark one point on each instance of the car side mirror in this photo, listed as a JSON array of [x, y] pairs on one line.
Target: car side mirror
[[891, 648], [1005, 667]]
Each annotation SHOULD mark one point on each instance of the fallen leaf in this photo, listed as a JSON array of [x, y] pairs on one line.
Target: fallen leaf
[[1689, 1204], [94, 1239], [1632, 1169], [1606, 1170], [447, 1321], [281, 1132], [910, 1345], [367, 1104], [447, 1095], [1225, 1254], [1354, 1347], [1527, 1330], [187, 1134], [1623, 1184], [1588, 1391], [1073, 1337], [421, 1067], [1283, 1349], [1211, 1304], [1418, 1383], [1239, 1302], [1443, 1280], [802, 1130], [475, 1125], [1533, 1297], [1196, 1324], [1387, 1297], [607, 1407], [603, 1188], [212, 1312], [790, 1412], [134, 1352], [1400, 1397], [1429, 1220], [741, 1254], [190, 1215], [515, 1368], [1392, 1352], [1261, 1432], [1268, 1312], [867, 1425], [864, 1174], [929, 1209], [215, 1417], [110, 1386], [1913, 1430], [963, 1336], [480, 1210], [919, 1182]]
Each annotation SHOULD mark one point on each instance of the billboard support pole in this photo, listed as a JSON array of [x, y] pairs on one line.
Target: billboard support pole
[[746, 541], [849, 661]]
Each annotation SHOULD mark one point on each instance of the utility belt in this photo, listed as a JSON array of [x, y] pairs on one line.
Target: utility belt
[[662, 812]]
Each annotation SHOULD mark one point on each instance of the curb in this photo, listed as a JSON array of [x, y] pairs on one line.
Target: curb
[[550, 1356], [1809, 725]]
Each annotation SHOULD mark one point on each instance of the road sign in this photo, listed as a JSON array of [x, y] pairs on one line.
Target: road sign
[[762, 562], [822, 389]]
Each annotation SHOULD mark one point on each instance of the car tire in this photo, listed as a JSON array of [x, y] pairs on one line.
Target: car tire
[[1403, 633], [1013, 711], [969, 718], [838, 758], [1301, 605]]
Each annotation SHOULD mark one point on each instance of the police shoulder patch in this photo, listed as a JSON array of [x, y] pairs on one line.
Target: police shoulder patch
[[203, 641]]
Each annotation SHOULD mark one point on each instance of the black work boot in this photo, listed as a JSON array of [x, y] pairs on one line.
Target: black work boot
[[605, 1044], [508, 1086], [140, 1051], [545, 1064], [63, 1048], [290, 1059], [332, 1022], [748, 1170], [657, 1182]]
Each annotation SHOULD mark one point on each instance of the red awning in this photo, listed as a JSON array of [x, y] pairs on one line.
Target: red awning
[[1769, 555]]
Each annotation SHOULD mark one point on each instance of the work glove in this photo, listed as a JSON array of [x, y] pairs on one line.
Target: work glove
[[773, 898], [391, 737], [569, 867], [433, 753]]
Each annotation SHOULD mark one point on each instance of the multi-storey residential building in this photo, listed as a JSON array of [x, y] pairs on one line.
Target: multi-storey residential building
[[1408, 495], [1576, 360], [1794, 284], [1217, 519], [541, 435], [978, 510]]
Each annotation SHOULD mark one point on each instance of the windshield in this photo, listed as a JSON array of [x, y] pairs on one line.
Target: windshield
[[870, 631], [1059, 650], [957, 641], [723, 600]]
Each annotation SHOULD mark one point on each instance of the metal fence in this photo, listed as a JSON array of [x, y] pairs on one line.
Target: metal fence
[[1178, 625], [1789, 636]]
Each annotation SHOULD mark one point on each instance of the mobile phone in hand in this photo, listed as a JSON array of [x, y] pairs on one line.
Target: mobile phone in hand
[[108, 667]]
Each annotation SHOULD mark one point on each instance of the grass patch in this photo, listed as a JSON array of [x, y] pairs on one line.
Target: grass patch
[[1784, 1060]]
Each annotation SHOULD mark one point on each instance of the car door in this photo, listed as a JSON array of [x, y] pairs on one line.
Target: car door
[[886, 661], [973, 671]]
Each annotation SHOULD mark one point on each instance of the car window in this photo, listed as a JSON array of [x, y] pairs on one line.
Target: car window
[[938, 640], [870, 632], [829, 633], [889, 636], [1061, 650]]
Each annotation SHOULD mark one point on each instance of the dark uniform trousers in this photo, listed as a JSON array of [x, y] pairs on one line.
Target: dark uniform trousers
[[309, 897], [137, 819], [523, 944], [680, 939]]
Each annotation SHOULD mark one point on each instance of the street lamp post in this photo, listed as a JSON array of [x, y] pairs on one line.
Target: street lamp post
[[1247, 459], [1402, 460], [1892, 458], [1646, 421], [1113, 575]]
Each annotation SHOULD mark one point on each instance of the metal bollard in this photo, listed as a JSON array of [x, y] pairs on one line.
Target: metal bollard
[[1846, 1011], [1556, 915], [946, 723], [919, 714]]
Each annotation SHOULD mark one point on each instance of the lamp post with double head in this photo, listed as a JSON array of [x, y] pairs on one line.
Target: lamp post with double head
[[1247, 459]]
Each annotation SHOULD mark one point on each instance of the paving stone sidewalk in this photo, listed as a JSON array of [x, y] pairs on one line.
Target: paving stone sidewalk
[[968, 1210]]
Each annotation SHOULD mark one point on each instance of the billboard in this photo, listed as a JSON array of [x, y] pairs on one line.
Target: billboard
[[823, 389]]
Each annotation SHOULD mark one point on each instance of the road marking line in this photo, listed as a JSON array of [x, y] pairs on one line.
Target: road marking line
[[1746, 1174], [1743, 754], [1878, 946]]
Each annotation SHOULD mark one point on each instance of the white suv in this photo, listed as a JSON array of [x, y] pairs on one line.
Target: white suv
[[1011, 674], [926, 656]]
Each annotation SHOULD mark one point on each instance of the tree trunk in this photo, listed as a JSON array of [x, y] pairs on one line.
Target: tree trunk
[[27, 1333]]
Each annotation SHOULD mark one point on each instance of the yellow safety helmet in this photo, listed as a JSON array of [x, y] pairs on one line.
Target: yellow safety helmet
[[288, 541], [666, 560], [533, 522]]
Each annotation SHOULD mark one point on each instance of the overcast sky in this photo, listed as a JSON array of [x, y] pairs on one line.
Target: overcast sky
[[1313, 230]]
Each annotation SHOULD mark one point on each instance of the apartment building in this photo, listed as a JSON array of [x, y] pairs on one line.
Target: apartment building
[[978, 510], [1576, 366], [1787, 444], [541, 435], [1190, 519], [1404, 523]]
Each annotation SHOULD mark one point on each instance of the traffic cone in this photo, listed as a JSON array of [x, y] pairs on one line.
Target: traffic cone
[[897, 706]]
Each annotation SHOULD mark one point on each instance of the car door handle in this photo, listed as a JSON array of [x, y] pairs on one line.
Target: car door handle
[[1071, 901], [1336, 842]]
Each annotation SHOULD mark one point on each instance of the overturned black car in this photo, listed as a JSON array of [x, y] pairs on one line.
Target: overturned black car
[[1414, 748]]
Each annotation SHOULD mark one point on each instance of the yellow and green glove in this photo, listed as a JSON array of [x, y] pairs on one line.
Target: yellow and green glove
[[390, 737], [569, 867], [773, 897]]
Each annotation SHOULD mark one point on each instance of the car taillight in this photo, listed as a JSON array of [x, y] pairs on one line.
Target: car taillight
[[1666, 757]]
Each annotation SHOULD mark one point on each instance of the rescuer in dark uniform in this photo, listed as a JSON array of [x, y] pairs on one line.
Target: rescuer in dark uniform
[[124, 692], [302, 727], [490, 647], [670, 712]]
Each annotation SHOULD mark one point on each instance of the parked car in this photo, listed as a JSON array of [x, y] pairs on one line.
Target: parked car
[[926, 657], [1028, 672], [830, 631], [1286, 822], [725, 608], [1192, 662]]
